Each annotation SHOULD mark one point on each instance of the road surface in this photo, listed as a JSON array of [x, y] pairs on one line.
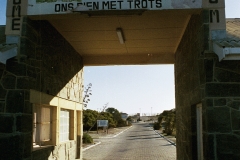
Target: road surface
[[139, 142]]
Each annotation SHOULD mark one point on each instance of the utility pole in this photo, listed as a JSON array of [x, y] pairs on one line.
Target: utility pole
[[151, 115], [140, 114]]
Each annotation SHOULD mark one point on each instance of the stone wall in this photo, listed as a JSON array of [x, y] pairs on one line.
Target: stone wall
[[222, 114], [201, 78], [63, 151], [189, 77], [52, 65], [46, 63]]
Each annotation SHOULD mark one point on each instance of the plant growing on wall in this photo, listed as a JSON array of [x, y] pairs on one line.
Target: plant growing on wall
[[87, 94]]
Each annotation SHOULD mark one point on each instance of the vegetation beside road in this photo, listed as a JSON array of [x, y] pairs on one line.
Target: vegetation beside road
[[90, 118], [166, 122], [87, 138], [113, 116]]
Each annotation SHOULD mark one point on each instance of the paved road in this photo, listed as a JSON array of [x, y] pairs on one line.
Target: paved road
[[139, 142]]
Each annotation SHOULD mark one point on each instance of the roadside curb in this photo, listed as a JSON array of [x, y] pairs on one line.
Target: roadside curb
[[171, 142], [84, 149], [117, 134]]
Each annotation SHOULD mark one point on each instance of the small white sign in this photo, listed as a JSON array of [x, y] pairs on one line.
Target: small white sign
[[102, 123], [124, 116]]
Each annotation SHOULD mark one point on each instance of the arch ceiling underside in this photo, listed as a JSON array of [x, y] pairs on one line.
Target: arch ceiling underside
[[151, 37]]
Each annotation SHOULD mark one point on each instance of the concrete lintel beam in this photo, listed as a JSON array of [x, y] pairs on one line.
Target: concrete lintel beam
[[128, 59]]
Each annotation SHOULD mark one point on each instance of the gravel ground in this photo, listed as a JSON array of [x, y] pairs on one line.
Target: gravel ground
[[112, 132]]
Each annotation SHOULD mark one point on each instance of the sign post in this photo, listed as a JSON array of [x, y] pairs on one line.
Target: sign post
[[102, 123]]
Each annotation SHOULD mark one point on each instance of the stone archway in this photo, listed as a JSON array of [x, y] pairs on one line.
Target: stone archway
[[52, 50]]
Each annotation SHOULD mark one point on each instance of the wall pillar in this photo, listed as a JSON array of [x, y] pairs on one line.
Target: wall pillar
[[189, 84], [48, 64], [201, 79]]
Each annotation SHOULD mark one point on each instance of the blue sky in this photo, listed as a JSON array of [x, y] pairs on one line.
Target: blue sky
[[132, 89]]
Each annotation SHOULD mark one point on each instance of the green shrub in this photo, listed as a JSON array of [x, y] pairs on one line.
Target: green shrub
[[129, 123], [87, 138], [121, 123], [156, 126]]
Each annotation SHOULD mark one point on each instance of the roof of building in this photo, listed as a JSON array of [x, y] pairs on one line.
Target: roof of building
[[232, 34], [233, 28], [228, 48]]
